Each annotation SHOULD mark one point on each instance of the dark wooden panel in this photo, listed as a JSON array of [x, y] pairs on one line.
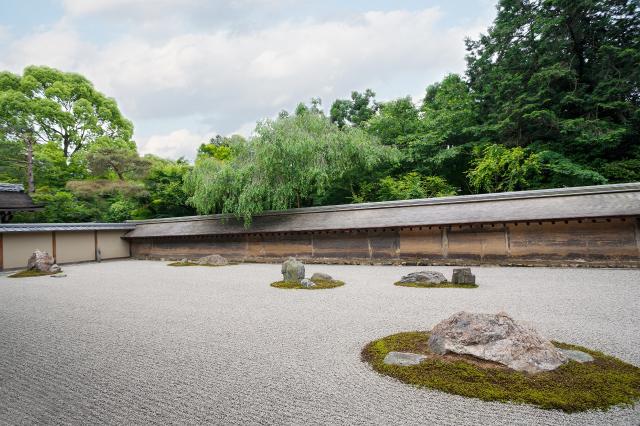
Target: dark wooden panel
[[384, 244], [280, 246], [348, 245], [574, 240], [480, 243], [421, 243]]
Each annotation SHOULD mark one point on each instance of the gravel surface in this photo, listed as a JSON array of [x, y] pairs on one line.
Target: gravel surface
[[140, 342]]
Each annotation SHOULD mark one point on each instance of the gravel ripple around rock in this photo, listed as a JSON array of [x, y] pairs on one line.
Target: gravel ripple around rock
[[137, 342]]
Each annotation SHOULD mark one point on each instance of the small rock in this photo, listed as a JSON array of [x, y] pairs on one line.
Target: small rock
[[55, 269], [427, 277], [307, 283], [496, 338], [463, 276], [403, 358], [578, 356], [213, 259], [41, 261], [321, 276], [59, 276], [292, 270], [184, 260]]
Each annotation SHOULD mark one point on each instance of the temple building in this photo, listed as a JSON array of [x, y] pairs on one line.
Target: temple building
[[13, 199]]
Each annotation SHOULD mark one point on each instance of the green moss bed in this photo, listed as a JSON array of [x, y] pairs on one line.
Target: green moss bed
[[194, 264], [31, 273], [320, 285], [441, 285], [573, 387]]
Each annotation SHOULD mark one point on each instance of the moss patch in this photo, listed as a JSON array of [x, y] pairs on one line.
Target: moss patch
[[194, 264], [430, 285], [600, 384], [320, 284], [31, 273]]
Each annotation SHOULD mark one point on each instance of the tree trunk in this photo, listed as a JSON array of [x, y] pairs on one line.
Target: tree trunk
[[31, 186]]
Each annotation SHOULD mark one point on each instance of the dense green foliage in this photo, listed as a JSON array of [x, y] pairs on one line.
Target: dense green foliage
[[83, 164], [600, 384], [550, 98]]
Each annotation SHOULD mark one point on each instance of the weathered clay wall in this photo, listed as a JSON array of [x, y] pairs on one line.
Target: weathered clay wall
[[601, 242]]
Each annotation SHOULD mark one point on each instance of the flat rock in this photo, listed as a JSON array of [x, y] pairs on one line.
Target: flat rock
[[213, 259], [321, 276], [463, 276], [427, 277], [578, 356], [498, 338], [404, 359], [59, 276], [292, 270]]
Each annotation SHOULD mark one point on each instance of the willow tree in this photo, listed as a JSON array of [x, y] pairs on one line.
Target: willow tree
[[294, 161]]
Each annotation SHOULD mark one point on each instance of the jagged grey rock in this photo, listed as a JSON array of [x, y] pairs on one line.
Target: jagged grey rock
[[292, 270], [427, 277], [213, 259], [321, 276], [498, 338], [578, 356], [307, 283], [463, 276], [403, 358], [43, 262]]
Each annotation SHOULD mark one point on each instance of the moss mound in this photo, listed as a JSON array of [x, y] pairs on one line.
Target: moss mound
[[195, 264], [600, 384], [430, 285], [31, 273], [320, 284]]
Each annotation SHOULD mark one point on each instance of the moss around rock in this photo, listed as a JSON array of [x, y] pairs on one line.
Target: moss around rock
[[434, 285], [320, 284], [181, 263], [31, 273], [601, 384]]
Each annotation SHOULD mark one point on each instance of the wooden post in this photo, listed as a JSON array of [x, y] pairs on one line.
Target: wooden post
[[445, 243], [95, 245], [53, 246]]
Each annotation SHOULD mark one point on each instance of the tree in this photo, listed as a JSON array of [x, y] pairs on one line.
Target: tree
[[165, 185], [561, 75], [498, 168], [64, 108], [119, 157], [292, 162], [356, 111], [220, 147], [413, 185]]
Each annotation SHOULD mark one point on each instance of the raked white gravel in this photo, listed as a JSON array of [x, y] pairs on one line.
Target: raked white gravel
[[139, 342]]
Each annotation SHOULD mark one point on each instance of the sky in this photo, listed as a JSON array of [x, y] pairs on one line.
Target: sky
[[186, 70]]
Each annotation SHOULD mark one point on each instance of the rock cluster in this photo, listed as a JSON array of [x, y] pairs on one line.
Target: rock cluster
[[293, 271], [43, 262], [463, 276], [427, 277], [496, 338], [213, 260]]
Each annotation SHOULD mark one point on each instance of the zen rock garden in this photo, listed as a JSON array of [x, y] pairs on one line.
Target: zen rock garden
[[462, 278], [40, 263], [293, 277], [495, 358]]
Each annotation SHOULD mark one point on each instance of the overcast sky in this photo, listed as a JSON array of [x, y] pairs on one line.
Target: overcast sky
[[183, 70]]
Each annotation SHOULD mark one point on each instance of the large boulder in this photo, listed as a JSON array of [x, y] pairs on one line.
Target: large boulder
[[43, 262], [463, 276], [292, 270], [426, 277], [213, 259], [496, 338]]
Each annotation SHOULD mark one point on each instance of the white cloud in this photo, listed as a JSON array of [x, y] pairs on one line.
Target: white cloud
[[226, 80], [179, 143]]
